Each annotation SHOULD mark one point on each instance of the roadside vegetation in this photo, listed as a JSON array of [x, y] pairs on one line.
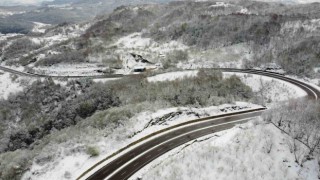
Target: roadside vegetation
[[33, 118], [301, 121], [46, 114], [284, 144]]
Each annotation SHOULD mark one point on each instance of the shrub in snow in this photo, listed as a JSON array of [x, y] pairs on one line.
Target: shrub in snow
[[12, 164], [67, 175], [93, 151], [19, 47], [174, 57]]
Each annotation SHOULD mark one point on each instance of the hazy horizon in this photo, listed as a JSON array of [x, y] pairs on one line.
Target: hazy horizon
[[21, 2]]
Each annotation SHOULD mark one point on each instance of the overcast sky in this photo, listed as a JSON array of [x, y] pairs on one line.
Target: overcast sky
[[20, 2], [36, 2]]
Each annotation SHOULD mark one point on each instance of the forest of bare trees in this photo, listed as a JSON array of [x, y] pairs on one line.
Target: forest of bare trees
[[301, 121]]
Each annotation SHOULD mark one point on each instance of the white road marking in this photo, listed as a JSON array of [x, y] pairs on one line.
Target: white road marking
[[143, 153]]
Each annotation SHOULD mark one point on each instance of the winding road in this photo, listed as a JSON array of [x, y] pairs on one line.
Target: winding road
[[128, 160], [34, 75]]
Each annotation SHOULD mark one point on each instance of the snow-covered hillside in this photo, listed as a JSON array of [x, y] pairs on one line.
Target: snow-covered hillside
[[255, 150], [70, 161], [291, 1]]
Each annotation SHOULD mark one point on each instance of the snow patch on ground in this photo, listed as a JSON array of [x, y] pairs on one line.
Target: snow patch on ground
[[171, 76], [10, 84], [83, 69], [238, 153], [221, 4]]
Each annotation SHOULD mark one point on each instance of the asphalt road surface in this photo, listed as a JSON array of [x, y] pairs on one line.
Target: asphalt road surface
[[138, 157], [127, 164], [132, 161]]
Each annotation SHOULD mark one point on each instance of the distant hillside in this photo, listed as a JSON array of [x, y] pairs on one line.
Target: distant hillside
[[285, 34], [59, 11], [274, 31]]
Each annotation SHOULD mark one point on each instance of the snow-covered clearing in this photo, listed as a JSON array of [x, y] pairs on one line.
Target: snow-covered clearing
[[71, 163], [270, 89], [9, 84], [254, 150]]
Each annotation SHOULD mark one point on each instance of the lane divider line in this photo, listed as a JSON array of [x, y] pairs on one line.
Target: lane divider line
[[158, 134], [145, 152]]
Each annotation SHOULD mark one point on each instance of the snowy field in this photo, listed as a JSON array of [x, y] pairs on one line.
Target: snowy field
[[250, 151], [70, 162]]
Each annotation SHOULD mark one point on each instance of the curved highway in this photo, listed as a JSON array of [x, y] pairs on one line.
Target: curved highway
[[313, 93], [132, 158], [130, 162]]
